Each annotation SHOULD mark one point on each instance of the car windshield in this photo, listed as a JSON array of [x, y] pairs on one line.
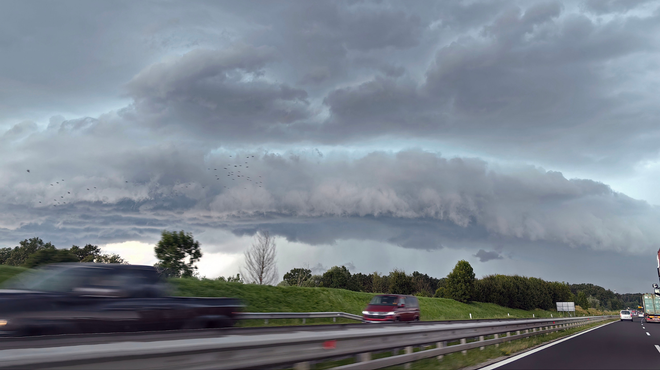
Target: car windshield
[[384, 300], [625, 312]]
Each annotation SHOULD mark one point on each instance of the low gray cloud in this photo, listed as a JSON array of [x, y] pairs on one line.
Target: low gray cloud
[[485, 256], [413, 198]]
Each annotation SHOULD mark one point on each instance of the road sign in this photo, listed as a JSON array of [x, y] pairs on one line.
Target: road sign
[[565, 307]]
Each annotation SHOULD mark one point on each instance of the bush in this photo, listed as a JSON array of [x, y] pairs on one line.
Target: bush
[[46, 256], [297, 276], [336, 277], [400, 283], [460, 282]]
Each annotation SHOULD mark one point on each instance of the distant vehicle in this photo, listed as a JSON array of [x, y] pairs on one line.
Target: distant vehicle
[[100, 298], [392, 307], [651, 303], [626, 315], [641, 314]]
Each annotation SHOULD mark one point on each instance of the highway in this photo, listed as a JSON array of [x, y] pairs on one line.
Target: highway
[[619, 345]]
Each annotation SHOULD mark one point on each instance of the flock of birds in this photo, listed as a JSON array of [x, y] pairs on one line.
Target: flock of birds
[[238, 172], [235, 172]]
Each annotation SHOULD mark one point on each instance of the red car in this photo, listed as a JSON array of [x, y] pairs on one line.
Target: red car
[[392, 307]]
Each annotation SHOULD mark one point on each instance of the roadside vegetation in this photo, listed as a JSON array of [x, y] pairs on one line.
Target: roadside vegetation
[[264, 298], [337, 289]]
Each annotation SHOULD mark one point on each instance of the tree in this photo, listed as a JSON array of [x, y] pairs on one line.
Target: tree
[[380, 283], [261, 259], [92, 253], [400, 283], [313, 282], [460, 282], [5, 253], [297, 276], [109, 258], [581, 300], [177, 254], [48, 255], [336, 277], [27, 247], [87, 253], [230, 279], [361, 283]]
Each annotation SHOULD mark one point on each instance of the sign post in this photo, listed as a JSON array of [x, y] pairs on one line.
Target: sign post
[[566, 307]]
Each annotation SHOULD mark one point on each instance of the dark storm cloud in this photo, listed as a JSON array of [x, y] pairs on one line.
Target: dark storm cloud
[[414, 199], [485, 256], [185, 85], [534, 77], [206, 91]]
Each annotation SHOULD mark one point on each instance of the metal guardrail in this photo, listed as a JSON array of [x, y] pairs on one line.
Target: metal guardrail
[[297, 348], [297, 315]]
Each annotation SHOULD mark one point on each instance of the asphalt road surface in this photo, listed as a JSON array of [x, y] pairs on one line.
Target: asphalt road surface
[[620, 345]]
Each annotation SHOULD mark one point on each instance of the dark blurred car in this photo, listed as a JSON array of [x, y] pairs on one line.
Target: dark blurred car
[[392, 307], [100, 298]]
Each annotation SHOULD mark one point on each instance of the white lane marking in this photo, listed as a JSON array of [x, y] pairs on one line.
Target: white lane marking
[[515, 358], [657, 347], [647, 333]]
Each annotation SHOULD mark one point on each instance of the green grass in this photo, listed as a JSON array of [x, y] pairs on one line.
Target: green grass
[[7, 272], [259, 298]]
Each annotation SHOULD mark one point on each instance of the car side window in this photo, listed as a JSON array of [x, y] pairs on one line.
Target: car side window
[[402, 301]]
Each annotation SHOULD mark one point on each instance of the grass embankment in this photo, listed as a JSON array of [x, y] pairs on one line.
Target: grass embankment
[[259, 298], [7, 272]]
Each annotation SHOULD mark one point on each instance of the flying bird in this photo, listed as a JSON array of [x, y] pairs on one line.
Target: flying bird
[[68, 192], [28, 170]]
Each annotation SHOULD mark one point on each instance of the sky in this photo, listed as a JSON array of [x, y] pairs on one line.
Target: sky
[[521, 136]]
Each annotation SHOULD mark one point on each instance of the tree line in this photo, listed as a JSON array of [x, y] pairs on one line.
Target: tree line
[[515, 291], [34, 252]]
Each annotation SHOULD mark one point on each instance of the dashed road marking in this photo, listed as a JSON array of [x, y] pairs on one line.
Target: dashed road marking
[[657, 347], [525, 354], [647, 333]]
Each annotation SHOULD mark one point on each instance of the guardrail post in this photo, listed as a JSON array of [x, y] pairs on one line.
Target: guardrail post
[[463, 341], [266, 321], [364, 357], [304, 320], [441, 345], [409, 350], [497, 337], [301, 366], [481, 339], [517, 332], [334, 319]]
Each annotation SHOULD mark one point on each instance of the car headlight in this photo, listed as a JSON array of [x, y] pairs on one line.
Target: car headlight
[[3, 322], [365, 312], [389, 313]]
